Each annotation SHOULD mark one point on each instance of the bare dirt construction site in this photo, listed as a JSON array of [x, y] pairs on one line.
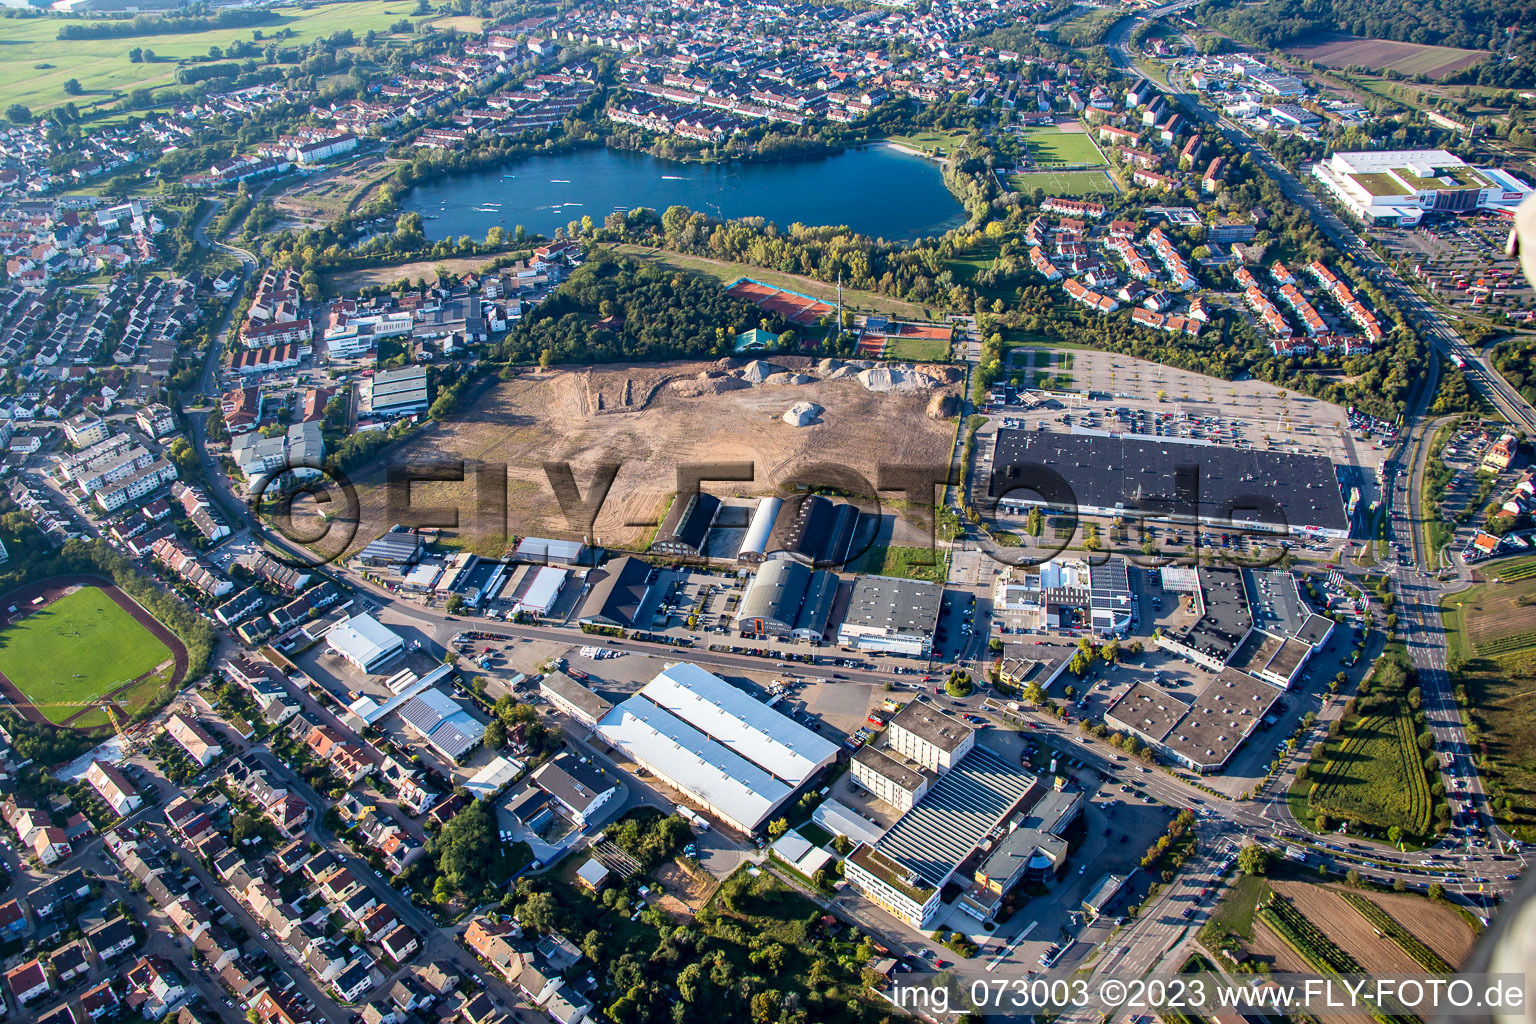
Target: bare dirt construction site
[[1335, 49], [686, 891], [648, 420]]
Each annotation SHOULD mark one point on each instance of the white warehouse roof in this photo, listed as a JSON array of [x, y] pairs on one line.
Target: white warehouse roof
[[363, 640], [692, 762], [541, 593], [740, 722]]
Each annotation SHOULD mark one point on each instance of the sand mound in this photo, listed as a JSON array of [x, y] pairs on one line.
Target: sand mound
[[895, 378], [709, 383], [943, 406], [757, 371], [801, 414]]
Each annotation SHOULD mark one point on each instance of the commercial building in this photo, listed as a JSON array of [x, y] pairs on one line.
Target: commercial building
[[731, 753], [581, 789], [892, 615], [754, 545], [570, 697], [1203, 734], [1223, 618], [1167, 479], [618, 591], [787, 598], [439, 720], [546, 551], [389, 393], [906, 869], [541, 592], [364, 642], [1398, 187], [814, 530]]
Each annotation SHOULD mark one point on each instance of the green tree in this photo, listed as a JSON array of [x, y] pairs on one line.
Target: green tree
[[72, 87], [1253, 859], [455, 604], [18, 113], [777, 827]]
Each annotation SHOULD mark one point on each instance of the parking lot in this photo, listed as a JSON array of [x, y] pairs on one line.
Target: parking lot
[[1463, 262], [1122, 395]]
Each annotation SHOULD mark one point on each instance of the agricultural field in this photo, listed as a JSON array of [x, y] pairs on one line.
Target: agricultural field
[[1491, 640], [78, 648], [38, 63], [1088, 27], [1063, 183], [1374, 774], [1337, 50], [1049, 145]]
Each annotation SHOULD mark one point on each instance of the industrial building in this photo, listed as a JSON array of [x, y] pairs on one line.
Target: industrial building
[[1032, 851], [894, 615], [754, 545], [724, 749], [618, 590], [364, 642], [571, 698], [1062, 595], [439, 720], [786, 598], [685, 528], [547, 551], [1398, 187], [538, 595], [1089, 473], [388, 393], [1223, 617], [814, 530]]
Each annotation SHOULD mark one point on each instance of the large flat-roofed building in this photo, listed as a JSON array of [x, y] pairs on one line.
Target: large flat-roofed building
[[549, 551], [906, 869], [731, 753], [443, 723], [1398, 187], [892, 615], [569, 696], [786, 598], [399, 392], [1202, 734], [924, 734], [1168, 479], [1223, 618], [364, 642], [1033, 849]]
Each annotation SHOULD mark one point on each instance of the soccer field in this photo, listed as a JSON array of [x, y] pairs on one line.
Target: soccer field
[[1063, 183], [78, 648], [1051, 145]]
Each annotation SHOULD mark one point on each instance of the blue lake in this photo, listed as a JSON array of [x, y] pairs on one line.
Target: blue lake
[[876, 190]]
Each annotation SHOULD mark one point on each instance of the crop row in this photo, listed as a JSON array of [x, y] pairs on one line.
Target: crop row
[[1392, 929], [1506, 644], [1308, 939], [1518, 571], [1421, 804]]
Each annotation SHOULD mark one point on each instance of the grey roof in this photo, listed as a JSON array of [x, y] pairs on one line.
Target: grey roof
[[881, 763], [895, 605], [398, 546], [572, 692], [775, 595], [572, 783], [1226, 616], [619, 591], [815, 530], [1164, 476], [1148, 710], [932, 725], [816, 609], [687, 522], [967, 803]]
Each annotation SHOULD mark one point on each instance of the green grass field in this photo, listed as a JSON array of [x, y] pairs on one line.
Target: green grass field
[[1373, 775], [908, 563], [1063, 183], [922, 350], [78, 648], [104, 71], [725, 273], [1050, 145], [1489, 647], [943, 140]]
